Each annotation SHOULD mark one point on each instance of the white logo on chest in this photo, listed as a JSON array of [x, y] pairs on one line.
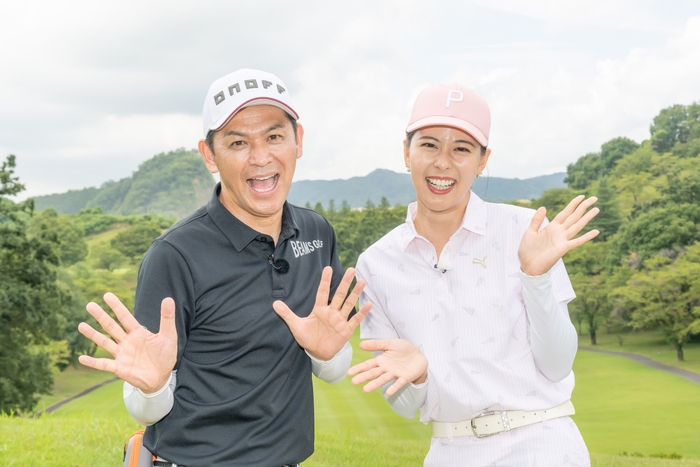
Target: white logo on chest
[[301, 248], [480, 261]]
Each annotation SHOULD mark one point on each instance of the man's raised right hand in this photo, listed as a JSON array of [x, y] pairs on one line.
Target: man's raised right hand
[[141, 358]]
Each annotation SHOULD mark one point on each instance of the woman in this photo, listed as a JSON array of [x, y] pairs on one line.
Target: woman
[[469, 303]]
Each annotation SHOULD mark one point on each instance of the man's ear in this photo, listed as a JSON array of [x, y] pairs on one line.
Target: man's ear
[[208, 156], [300, 140]]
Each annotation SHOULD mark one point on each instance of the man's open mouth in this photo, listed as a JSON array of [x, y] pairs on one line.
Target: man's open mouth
[[263, 184]]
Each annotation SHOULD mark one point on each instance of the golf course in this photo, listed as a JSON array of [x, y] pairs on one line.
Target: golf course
[[628, 413]]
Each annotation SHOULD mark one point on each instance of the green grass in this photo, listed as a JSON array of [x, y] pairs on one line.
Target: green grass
[[624, 406], [603, 460], [90, 439], [651, 344], [107, 235], [343, 405], [70, 382], [343, 448], [621, 406]]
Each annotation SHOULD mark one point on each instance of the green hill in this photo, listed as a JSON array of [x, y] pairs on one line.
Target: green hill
[[174, 184], [171, 184]]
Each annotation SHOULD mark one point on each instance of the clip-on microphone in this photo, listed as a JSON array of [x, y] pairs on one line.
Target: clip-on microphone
[[443, 265]]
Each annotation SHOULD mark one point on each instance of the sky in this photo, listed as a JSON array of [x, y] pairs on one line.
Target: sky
[[90, 90]]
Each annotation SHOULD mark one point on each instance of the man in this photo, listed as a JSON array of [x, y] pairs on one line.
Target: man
[[224, 382]]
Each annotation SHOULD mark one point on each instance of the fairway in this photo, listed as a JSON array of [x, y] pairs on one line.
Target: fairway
[[622, 406]]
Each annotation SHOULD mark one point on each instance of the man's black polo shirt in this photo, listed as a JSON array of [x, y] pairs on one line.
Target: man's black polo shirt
[[243, 395]]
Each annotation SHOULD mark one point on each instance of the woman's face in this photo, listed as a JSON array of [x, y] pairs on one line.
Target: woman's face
[[444, 162]]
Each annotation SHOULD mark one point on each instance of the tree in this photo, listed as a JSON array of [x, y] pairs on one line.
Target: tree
[[135, 240], [614, 150], [589, 168], [609, 218], [554, 199], [71, 240], [583, 172], [359, 229], [29, 300], [669, 127], [591, 303], [655, 228], [634, 184], [682, 189], [105, 257], [586, 270], [665, 295]]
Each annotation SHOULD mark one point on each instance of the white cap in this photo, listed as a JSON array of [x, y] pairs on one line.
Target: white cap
[[240, 89]]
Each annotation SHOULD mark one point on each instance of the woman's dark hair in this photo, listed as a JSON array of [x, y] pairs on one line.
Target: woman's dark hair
[[409, 137]]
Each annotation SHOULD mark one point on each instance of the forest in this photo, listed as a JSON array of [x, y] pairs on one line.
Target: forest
[[641, 272]]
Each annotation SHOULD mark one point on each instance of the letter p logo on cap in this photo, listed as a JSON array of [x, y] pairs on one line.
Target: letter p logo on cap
[[454, 92]]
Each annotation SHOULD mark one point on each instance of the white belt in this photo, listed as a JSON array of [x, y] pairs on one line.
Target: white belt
[[492, 423]]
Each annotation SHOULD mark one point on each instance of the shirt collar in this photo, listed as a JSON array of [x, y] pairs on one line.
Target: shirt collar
[[473, 220], [240, 234]]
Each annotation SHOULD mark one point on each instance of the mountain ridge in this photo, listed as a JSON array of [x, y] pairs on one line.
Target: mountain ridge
[[176, 183]]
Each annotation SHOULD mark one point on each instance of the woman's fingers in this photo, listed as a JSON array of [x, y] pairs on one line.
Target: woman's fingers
[[568, 210], [574, 216], [367, 375], [391, 390], [378, 382], [364, 366]]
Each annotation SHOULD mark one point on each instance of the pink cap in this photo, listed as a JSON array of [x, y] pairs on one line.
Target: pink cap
[[453, 105]]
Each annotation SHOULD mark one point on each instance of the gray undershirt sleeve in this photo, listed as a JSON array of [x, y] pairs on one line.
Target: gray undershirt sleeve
[[148, 409], [408, 400], [334, 370], [553, 337]]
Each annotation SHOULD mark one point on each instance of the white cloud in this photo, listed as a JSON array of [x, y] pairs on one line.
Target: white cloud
[[639, 15], [109, 148], [545, 117], [88, 90]]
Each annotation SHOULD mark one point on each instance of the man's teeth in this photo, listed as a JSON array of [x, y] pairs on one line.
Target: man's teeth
[[263, 184], [440, 183]]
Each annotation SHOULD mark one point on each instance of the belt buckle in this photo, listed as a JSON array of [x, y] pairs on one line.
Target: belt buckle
[[485, 414]]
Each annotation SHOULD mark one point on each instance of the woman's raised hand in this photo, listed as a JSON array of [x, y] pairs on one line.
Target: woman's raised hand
[[541, 249]]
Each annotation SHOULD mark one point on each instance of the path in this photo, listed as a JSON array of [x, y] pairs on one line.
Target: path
[[689, 375], [58, 405]]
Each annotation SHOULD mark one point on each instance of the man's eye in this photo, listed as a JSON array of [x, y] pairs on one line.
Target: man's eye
[[237, 143], [428, 145], [275, 137], [463, 149]]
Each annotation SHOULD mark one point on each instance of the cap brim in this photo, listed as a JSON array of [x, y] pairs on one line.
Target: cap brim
[[258, 101], [451, 122]]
